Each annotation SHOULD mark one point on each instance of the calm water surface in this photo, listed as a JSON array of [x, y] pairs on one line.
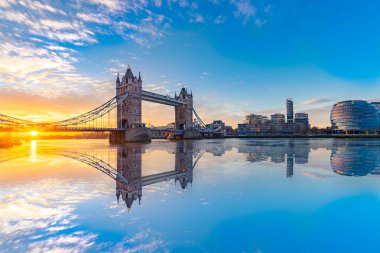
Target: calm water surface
[[247, 195]]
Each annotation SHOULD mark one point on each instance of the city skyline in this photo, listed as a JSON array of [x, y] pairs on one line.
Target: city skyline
[[238, 57]]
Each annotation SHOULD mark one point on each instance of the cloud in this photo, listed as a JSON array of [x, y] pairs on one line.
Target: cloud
[[94, 18], [220, 19], [110, 5], [316, 101], [197, 18], [259, 22], [40, 7], [244, 9], [54, 29], [143, 27], [44, 72], [158, 3], [158, 88]]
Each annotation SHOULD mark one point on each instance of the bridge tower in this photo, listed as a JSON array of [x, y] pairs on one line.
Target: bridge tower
[[129, 111], [184, 115]]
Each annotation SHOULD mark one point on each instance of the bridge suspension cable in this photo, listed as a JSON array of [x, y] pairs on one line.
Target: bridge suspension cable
[[90, 116], [11, 121], [199, 119]]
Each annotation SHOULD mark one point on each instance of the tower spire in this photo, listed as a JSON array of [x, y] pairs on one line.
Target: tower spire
[[118, 80]]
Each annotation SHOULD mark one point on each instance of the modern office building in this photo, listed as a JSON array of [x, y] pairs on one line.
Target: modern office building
[[255, 124], [355, 116], [301, 123], [255, 119], [289, 110], [277, 118]]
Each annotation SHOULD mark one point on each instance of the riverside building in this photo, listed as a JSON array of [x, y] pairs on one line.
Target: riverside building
[[255, 124], [355, 116], [289, 110]]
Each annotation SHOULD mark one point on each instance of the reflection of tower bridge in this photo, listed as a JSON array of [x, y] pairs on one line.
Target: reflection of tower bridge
[[129, 164], [126, 169], [121, 116]]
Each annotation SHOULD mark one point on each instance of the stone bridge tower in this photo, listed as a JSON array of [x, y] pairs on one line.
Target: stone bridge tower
[[129, 111], [184, 116], [184, 113]]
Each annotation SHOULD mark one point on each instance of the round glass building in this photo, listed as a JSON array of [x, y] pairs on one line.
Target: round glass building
[[355, 116]]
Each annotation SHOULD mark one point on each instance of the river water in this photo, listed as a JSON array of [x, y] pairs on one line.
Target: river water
[[222, 195]]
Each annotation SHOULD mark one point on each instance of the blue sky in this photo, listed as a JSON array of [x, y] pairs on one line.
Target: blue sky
[[60, 58]]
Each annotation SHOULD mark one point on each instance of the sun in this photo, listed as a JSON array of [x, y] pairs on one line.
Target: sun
[[33, 133]]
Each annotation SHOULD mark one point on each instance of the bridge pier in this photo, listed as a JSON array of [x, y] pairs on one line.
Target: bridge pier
[[137, 133], [117, 137], [133, 134], [192, 134]]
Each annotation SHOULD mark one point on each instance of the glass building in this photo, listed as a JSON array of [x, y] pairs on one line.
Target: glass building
[[289, 110], [354, 116]]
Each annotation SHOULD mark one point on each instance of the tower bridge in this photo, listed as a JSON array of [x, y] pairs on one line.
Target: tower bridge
[[126, 125]]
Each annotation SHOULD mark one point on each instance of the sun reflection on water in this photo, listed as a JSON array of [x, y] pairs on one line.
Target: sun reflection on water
[[33, 150]]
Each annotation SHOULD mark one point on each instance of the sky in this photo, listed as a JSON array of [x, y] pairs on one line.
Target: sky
[[60, 58]]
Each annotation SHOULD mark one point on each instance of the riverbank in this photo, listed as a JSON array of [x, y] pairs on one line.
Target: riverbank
[[322, 136]]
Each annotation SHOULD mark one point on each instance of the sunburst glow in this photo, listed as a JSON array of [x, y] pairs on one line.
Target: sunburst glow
[[33, 133]]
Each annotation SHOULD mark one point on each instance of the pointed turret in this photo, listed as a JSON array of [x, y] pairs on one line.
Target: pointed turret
[[117, 80], [183, 94], [139, 77], [129, 73]]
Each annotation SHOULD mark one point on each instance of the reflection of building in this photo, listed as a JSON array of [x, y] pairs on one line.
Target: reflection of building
[[184, 165], [287, 150], [129, 165], [289, 165], [350, 159], [354, 116]]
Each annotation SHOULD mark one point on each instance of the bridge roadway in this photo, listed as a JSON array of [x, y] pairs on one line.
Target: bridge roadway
[[161, 99]]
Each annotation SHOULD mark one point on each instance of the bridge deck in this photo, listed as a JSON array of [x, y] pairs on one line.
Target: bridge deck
[[161, 99], [82, 129]]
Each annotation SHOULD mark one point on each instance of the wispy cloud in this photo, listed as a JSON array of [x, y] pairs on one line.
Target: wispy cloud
[[220, 19], [244, 9], [316, 101], [94, 18]]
